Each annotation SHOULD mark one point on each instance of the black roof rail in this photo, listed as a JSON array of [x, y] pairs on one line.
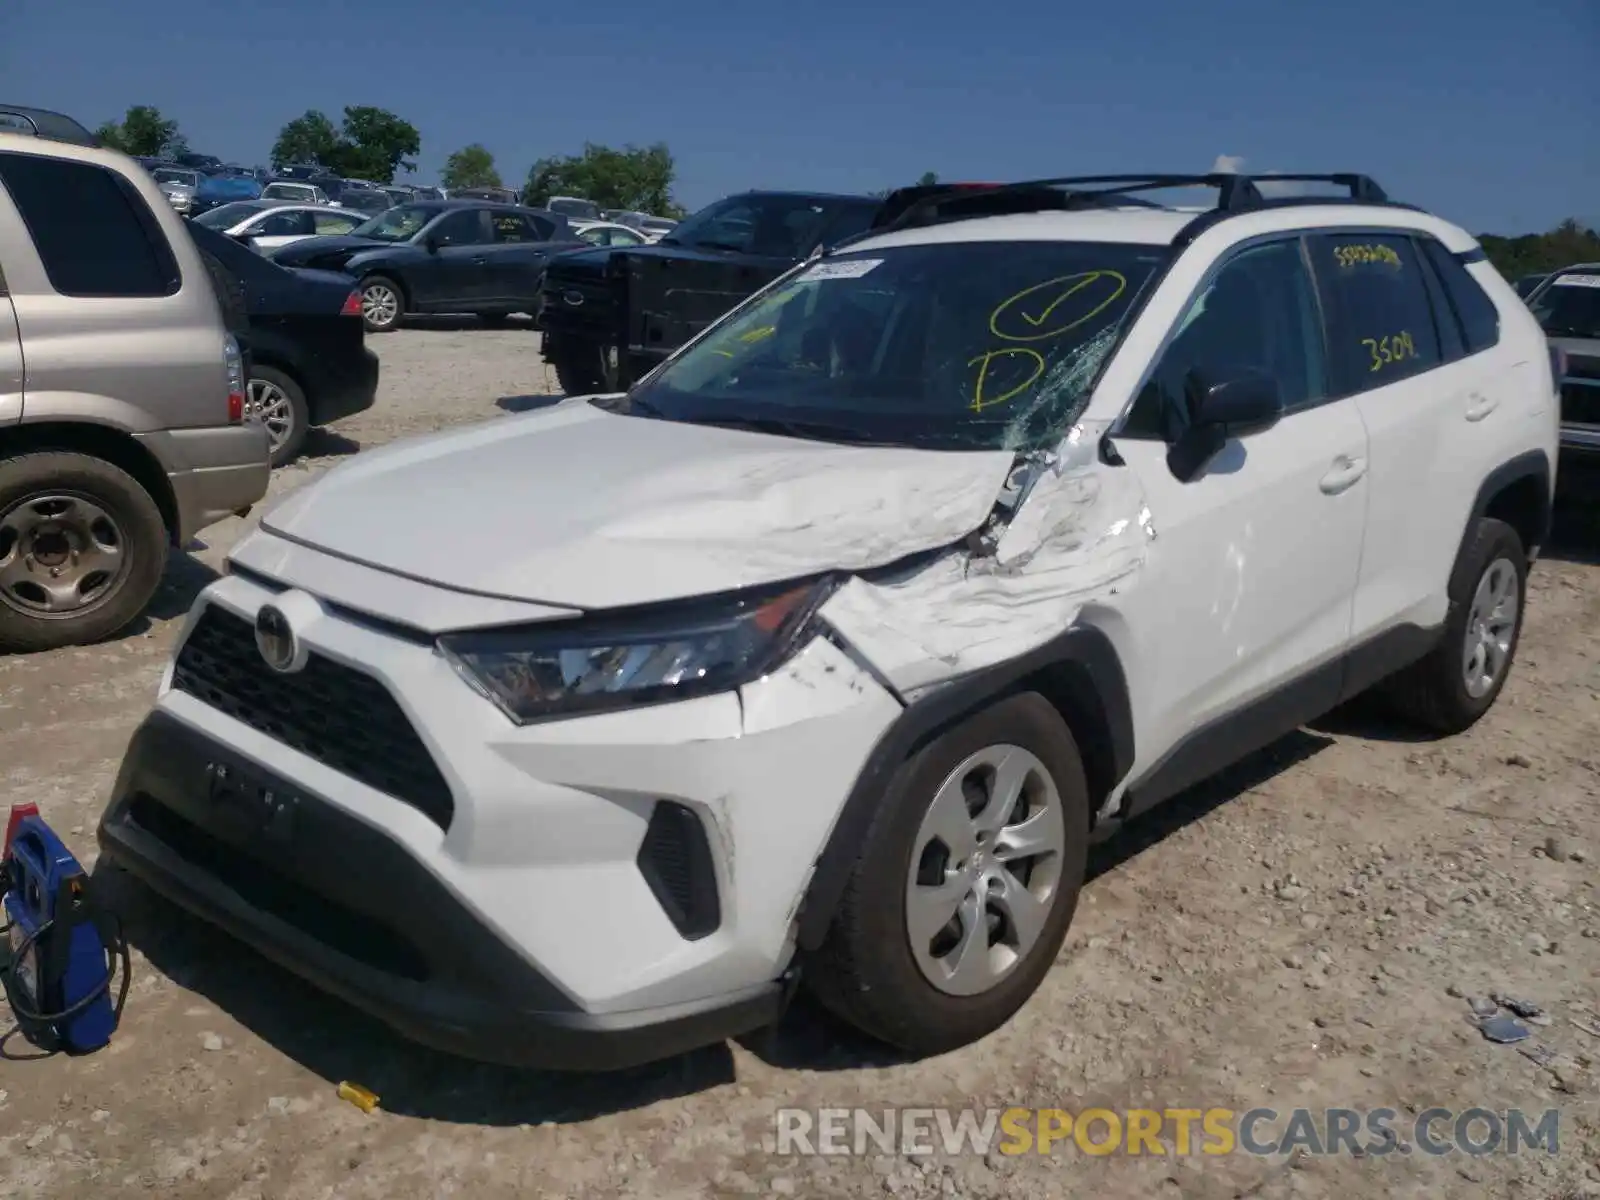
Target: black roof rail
[[41, 122], [935, 204]]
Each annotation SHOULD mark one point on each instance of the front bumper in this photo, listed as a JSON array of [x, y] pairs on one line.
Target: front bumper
[[1580, 440], [490, 889], [353, 913]]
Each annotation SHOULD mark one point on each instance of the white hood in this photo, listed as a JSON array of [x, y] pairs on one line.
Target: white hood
[[580, 507]]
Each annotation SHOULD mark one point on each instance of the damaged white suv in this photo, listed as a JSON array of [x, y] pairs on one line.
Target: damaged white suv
[[576, 739]]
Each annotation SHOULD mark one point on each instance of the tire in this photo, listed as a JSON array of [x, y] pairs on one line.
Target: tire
[[867, 970], [376, 315], [581, 373], [287, 411], [35, 487], [1435, 692]]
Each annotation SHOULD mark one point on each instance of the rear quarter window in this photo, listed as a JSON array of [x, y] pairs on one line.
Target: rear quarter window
[[91, 228], [1380, 324], [1480, 319]]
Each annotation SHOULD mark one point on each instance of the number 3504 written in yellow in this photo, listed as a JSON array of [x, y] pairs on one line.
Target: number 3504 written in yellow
[[1392, 349]]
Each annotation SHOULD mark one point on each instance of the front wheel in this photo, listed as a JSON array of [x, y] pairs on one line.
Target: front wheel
[[382, 304], [82, 549], [966, 883]]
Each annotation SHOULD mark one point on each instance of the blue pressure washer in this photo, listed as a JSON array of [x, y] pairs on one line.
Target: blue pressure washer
[[64, 949]]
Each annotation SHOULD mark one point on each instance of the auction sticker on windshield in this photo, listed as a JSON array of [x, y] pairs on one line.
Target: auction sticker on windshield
[[1578, 281], [849, 268]]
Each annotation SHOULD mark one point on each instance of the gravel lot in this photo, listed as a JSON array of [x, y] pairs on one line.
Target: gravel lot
[[1301, 932]]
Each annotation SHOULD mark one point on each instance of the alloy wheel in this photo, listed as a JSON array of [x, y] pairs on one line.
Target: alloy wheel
[[1491, 628], [985, 870], [268, 403]]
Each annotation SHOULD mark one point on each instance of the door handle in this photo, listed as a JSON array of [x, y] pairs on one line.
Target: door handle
[[1343, 475], [478, 262], [1479, 406]]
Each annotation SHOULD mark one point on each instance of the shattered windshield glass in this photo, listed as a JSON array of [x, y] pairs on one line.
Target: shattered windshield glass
[[975, 345]]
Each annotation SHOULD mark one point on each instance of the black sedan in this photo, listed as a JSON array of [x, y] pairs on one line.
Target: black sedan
[[309, 363], [442, 256]]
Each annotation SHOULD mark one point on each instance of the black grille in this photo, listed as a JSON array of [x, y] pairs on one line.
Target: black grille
[[675, 860], [1580, 402], [342, 718]]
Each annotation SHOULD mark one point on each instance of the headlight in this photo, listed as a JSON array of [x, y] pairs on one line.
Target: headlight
[[532, 672]]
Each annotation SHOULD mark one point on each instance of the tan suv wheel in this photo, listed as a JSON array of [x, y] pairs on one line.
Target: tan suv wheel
[[82, 549]]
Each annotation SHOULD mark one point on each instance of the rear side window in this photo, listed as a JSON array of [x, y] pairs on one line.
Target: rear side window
[[92, 230], [1480, 319], [1380, 325]]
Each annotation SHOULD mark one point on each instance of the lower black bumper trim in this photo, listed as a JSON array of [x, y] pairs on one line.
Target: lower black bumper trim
[[480, 999]]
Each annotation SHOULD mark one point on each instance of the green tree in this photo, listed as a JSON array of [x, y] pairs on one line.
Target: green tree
[[927, 179], [470, 167], [372, 143], [310, 138], [634, 177], [1537, 253], [143, 131]]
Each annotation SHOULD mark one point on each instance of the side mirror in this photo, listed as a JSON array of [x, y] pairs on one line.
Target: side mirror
[[1222, 406], [431, 243]]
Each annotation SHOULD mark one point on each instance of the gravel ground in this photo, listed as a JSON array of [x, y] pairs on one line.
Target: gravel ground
[[1304, 931]]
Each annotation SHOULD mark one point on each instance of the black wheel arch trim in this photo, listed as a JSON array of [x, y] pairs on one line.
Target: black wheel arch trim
[[1083, 655], [1530, 464]]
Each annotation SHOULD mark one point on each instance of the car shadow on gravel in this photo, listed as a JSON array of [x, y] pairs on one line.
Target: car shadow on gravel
[[325, 443], [338, 1043]]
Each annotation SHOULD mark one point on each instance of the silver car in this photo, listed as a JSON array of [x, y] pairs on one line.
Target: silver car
[[267, 224], [297, 193], [178, 186]]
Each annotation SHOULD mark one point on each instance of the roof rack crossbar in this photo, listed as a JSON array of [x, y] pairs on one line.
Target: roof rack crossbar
[[1235, 193], [42, 123]]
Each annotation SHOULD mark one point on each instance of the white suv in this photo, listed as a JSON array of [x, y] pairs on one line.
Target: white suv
[[576, 739]]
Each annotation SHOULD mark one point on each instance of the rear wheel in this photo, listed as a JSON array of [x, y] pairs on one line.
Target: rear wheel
[[382, 304], [276, 400], [965, 885], [82, 549], [1459, 681]]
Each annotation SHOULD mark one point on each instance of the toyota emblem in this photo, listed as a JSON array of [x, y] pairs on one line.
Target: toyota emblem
[[572, 298], [275, 639]]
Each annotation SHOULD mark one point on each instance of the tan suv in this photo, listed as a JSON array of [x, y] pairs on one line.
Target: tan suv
[[122, 422]]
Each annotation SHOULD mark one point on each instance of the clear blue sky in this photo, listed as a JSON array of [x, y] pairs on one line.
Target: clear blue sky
[[1485, 111]]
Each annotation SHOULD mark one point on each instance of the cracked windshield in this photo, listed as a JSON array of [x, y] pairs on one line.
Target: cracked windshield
[[965, 345]]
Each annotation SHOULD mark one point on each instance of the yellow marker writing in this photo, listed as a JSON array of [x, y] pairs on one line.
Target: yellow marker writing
[[979, 400], [1041, 324], [1395, 348]]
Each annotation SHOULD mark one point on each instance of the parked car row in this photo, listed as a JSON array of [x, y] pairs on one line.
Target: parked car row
[[441, 256], [114, 448]]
